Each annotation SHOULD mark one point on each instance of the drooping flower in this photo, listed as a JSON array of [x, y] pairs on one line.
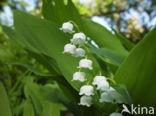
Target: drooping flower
[[111, 96], [69, 48], [85, 63], [116, 114], [86, 90], [67, 27], [79, 52], [101, 83], [86, 101], [78, 39], [79, 76]]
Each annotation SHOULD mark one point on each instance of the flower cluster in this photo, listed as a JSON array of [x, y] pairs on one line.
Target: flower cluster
[[99, 83]]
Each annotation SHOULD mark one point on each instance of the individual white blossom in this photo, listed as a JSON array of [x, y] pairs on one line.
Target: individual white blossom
[[79, 52], [86, 90], [69, 48], [78, 39], [101, 83], [79, 76], [85, 63], [67, 27], [111, 96], [116, 114], [86, 101]]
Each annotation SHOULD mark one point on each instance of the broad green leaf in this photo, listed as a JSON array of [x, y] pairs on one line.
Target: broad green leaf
[[5, 55], [126, 43], [124, 92], [49, 63], [4, 102], [30, 68], [41, 104], [102, 36], [138, 71], [57, 11], [108, 55], [34, 95], [56, 95], [28, 109], [45, 60], [51, 109], [47, 39], [61, 13]]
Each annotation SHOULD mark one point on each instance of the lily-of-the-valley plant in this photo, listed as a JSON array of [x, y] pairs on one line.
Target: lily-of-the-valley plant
[[100, 83]]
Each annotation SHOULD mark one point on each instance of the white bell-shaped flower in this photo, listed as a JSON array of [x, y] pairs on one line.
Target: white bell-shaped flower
[[86, 90], [78, 39], [116, 114], [86, 101], [103, 86], [79, 52], [111, 96], [97, 79], [67, 27], [85, 63], [101, 83], [79, 76], [69, 48]]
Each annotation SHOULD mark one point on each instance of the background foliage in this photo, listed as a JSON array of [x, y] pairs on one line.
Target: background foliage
[[36, 79]]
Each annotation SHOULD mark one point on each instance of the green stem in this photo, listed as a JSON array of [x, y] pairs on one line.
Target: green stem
[[75, 25], [112, 80], [17, 82]]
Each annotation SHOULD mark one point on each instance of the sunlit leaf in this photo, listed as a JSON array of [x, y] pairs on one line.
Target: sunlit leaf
[[61, 13], [4, 102], [138, 71]]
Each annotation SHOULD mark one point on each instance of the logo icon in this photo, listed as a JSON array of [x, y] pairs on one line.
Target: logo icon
[[138, 110], [125, 109]]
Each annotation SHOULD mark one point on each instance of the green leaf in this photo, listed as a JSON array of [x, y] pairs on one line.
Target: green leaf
[[124, 92], [46, 38], [57, 11], [45, 60], [61, 13], [30, 68], [4, 102], [39, 99], [126, 43], [138, 71], [103, 37], [43, 40], [5, 55], [108, 55], [49, 40], [28, 109]]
